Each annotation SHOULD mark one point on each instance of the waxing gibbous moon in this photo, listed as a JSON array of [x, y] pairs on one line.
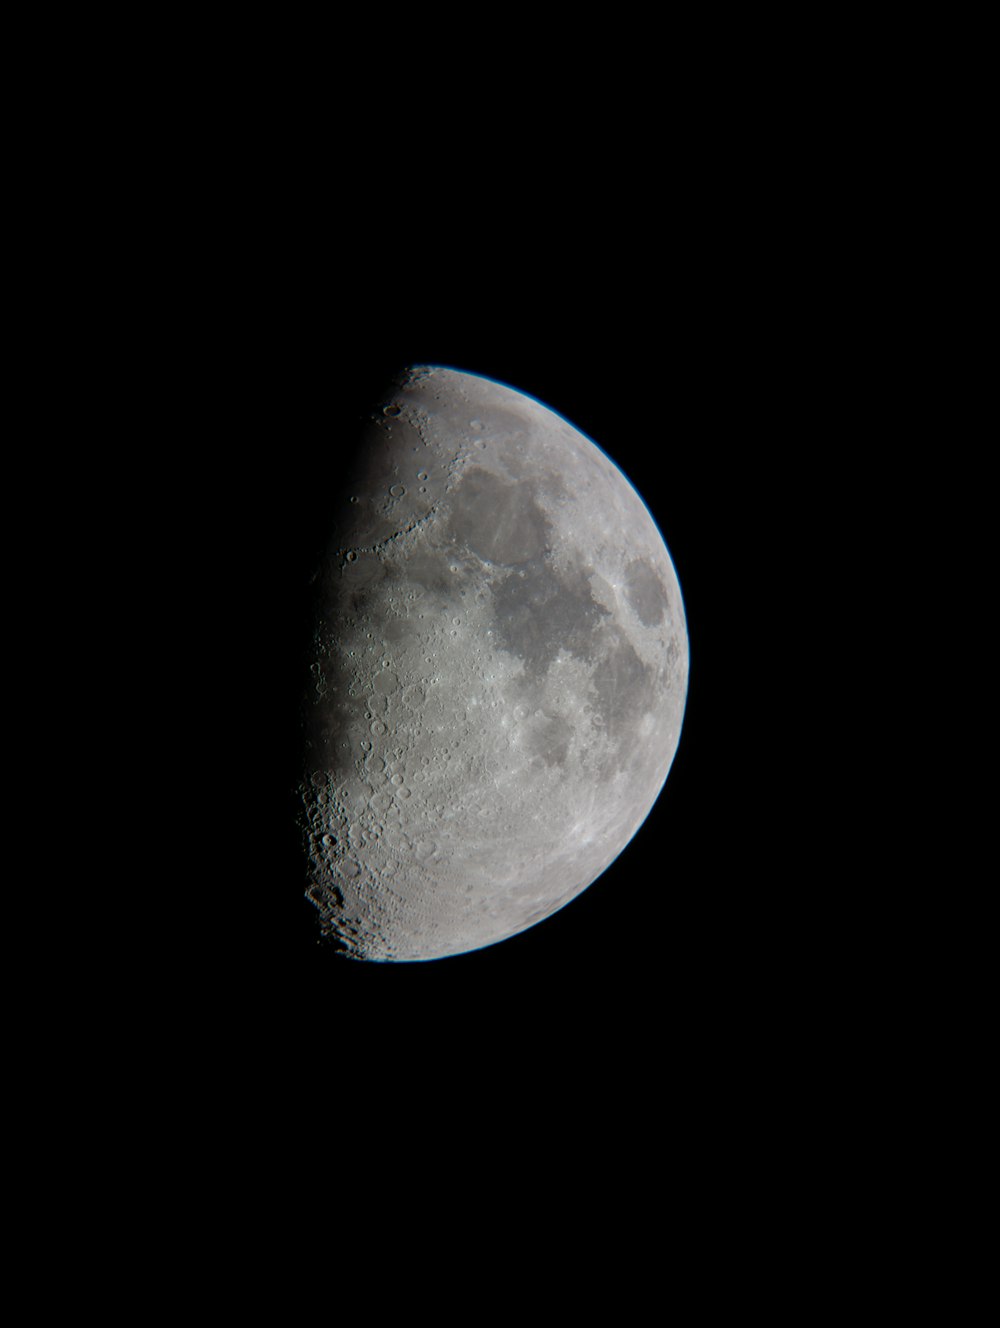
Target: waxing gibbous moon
[[498, 673]]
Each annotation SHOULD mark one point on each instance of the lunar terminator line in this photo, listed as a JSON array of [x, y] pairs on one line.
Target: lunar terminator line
[[499, 673]]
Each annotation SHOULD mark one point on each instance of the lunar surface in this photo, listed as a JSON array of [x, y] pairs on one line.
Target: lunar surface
[[498, 673]]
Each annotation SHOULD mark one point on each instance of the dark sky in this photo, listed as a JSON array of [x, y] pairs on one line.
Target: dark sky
[[683, 379], [690, 300], [676, 277]]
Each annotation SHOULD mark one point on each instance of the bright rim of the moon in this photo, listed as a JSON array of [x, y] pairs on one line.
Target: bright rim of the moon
[[498, 679]]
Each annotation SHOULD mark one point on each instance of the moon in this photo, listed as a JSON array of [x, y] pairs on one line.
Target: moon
[[498, 673]]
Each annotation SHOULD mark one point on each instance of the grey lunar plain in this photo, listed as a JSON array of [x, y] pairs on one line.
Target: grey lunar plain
[[499, 674]]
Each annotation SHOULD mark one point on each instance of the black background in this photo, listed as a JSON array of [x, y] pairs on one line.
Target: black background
[[689, 343], [684, 382], [694, 275], [687, 1007], [687, 276], [678, 275]]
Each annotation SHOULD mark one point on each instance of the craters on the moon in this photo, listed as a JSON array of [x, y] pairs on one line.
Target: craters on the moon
[[414, 697]]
